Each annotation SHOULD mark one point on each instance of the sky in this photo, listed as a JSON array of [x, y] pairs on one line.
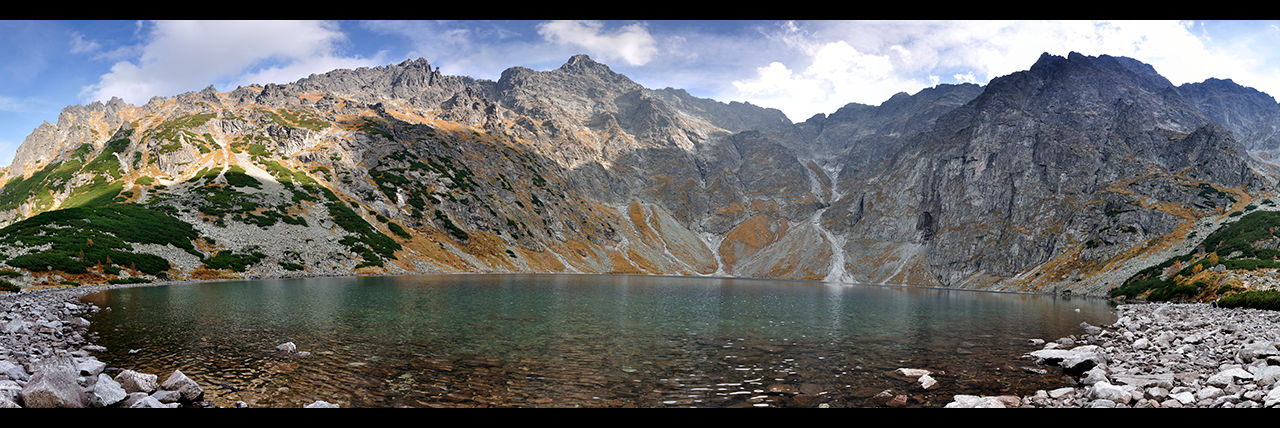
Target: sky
[[800, 67]]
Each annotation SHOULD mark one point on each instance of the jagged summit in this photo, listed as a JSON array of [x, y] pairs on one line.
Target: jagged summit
[[583, 64]]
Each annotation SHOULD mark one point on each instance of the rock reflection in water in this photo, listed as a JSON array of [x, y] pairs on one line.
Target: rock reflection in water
[[582, 341]]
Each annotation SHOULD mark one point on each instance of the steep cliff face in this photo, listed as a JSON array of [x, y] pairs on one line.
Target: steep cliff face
[[1047, 178], [1252, 116], [1036, 168]]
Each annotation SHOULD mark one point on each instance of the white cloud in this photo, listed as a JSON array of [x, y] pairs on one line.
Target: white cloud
[[965, 78], [837, 74], [631, 43], [181, 56], [830, 63], [80, 45]]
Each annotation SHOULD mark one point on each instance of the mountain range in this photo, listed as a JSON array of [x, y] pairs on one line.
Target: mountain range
[[1072, 175]]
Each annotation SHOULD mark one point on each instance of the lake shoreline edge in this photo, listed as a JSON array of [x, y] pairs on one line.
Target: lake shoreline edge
[[1083, 395]]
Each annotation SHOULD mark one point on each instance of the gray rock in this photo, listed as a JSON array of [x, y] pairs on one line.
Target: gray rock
[[1209, 393], [975, 402], [137, 382], [1094, 375], [133, 398], [1257, 350], [166, 396], [1229, 377], [1267, 375], [927, 381], [10, 390], [148, 402], [321, 405], [53, 385], [1104, 390], [1102, 404], [1164, 380], [1061, 392], [286, 349], [190, 390], [1273, 398], [90, 366], [106, 392], [1184, 397], [13, 371]]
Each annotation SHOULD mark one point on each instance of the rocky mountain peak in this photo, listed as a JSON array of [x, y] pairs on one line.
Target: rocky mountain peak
[[583, 64]]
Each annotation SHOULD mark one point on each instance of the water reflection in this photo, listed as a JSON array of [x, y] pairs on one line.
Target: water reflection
[[577, 340]]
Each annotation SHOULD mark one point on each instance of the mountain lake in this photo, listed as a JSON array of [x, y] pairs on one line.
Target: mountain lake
[[552, 340]]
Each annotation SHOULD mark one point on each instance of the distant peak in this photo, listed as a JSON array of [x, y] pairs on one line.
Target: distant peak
[[583, 64]]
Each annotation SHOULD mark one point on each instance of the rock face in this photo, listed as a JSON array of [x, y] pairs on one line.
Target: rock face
[[1044, 178]]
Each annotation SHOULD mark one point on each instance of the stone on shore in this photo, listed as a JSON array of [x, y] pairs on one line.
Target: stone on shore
[[963, 401], [90, 366], [54, 386], [106, 392], [1229, 376], [190, 390], [149, 402], [1273, 398], [137, 382], [1104, 390], [166, 396], [13, 371]]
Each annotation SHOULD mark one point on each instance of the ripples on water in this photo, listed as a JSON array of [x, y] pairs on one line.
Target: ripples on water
[[581, 340]]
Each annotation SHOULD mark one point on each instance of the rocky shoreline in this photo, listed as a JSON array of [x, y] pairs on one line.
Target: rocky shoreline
[[1154, 355], [1161, 355], [46, 358]]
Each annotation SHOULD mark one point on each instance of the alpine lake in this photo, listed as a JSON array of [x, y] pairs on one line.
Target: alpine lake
[[549, 340]]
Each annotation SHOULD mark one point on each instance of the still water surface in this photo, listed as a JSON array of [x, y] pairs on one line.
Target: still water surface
[[529, 340]]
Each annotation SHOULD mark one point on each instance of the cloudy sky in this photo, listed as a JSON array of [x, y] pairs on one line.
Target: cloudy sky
[[799, 67]]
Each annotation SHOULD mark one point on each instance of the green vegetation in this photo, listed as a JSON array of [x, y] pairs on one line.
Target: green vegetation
[[169, 130], [235, 176], [290, 266], [52, 177], [96, 193], [84, 237], [372, 245], [399, 231], [69, 282], [144, 180], [303, 119], [10, 273], [373, 127], [1235, 240], [1257, 299], [7, 286], [460, 234], [235, 262]]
